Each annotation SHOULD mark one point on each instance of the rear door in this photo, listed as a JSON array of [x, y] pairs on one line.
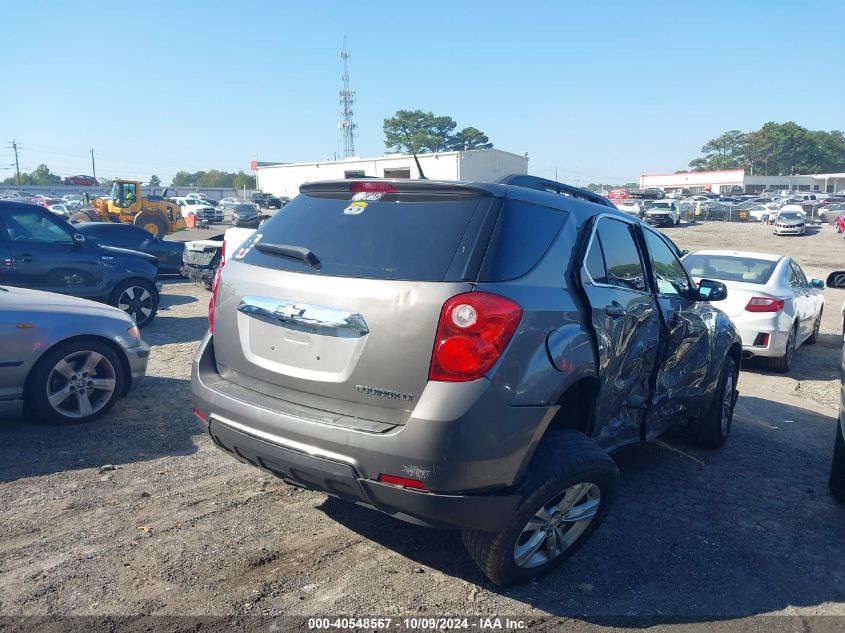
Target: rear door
[[682, 377], [805, 301], [626, 323], [334, 303]]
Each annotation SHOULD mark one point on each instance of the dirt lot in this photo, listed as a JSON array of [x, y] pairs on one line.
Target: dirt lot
[[140, 514]]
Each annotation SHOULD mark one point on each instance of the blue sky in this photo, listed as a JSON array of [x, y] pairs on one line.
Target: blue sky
[[599, 91]]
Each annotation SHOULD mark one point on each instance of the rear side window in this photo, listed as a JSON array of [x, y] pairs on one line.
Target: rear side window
[[522, 236], [407, 237], [621, 257]]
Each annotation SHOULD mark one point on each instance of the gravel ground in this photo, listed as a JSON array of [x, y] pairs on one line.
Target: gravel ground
[[139, 514]]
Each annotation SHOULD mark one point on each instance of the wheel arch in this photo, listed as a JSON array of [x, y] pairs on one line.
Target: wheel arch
[[117, 349]]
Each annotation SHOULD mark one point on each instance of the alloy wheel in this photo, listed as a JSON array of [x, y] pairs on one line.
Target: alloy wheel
[[557, 525], [790, 347], [137, 302], [81, 384]]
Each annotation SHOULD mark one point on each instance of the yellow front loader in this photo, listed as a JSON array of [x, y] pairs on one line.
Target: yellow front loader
[[156, 214]]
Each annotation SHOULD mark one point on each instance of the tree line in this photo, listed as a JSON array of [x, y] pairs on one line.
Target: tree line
[[776, 149], [410, 131], [213, 178]]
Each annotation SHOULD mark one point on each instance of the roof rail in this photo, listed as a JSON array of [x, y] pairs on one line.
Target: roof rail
[[552, 186]]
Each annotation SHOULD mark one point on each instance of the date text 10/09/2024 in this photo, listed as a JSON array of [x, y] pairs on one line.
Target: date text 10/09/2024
[[417, 624]]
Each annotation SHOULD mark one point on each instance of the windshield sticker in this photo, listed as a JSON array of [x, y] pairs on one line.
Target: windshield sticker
[[247, 246], [355, 208], [370, 196]]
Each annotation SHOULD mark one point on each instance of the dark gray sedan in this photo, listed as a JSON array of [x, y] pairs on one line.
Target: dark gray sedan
[[68, 359], [167, 252], [246, 215]]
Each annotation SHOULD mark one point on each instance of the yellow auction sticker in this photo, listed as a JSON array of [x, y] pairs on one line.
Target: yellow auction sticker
[[355, 208]]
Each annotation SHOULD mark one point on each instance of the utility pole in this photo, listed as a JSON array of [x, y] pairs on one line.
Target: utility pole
[[347, 99], [93, 167], [17, 166]]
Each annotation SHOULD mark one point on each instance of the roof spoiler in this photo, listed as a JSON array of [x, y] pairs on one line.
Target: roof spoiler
[[397, 185], [552, 186]]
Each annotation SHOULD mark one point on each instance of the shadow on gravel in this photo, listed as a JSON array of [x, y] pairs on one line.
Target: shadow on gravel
[[694, 535], [170, 301], [166, 330], [132, 431]]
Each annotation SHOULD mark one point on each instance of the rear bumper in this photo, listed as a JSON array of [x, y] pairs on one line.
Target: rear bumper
[[751, 330], [204, 275], [469, 453], [489, 512]]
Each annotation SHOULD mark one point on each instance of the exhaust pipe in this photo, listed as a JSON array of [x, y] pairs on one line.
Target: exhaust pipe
[[747, 355]]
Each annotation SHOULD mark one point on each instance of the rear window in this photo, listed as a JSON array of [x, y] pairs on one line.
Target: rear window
[[403, 237], [730, 268]]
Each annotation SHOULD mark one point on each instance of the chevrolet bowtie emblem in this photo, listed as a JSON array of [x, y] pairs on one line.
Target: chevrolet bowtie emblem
[[290, 311]]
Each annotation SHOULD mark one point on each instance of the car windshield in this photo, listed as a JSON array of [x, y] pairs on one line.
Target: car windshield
[[245, 208], [790, 215], [730, 268]]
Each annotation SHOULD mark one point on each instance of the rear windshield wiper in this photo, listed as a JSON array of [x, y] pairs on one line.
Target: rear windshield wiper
[[299, 253]]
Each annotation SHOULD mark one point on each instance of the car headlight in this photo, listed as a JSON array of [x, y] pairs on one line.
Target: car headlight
[[134, 333]]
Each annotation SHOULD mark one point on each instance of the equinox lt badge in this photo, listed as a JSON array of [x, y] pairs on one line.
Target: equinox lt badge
[[384, 393]]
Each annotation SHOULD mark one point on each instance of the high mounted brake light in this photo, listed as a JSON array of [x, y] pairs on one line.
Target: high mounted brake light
[[371, 186], [474, 329]]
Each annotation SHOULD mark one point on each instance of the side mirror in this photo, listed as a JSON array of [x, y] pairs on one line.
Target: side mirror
[[709, 290], [836, 279], [817, 283], [78, 239]]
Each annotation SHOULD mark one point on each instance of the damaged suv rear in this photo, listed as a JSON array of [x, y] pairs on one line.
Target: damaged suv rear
[[461, 356]]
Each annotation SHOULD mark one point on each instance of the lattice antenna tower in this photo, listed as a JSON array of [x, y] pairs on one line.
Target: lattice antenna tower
[[347, 100]]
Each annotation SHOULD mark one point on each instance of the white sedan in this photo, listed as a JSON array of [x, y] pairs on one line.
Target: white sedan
[[771, 302]]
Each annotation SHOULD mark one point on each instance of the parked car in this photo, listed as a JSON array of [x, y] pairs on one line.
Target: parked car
[[246, 215], [837, 467], [82, 181], [167, 252], [267, 201], [229, 203], [770, 301], [629, 206], [464, 360], [199, 208], [831, 212], [68, 359], [201, 259], [47, 253], [203, 198], [663, 213], [790, 223]]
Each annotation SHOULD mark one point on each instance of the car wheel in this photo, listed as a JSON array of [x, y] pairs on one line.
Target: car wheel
[[783, 363], [138, 298], [837, 468], [76, 381], [566, 492], [811, 340], [713, 429]]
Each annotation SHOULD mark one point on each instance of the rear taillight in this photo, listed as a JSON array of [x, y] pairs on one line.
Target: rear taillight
[[223, 254], [212, 303], [371, 186], [474, 329], [764, 304]]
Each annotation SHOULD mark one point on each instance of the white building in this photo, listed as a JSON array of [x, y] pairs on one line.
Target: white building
[[487, 165], [724, 181]]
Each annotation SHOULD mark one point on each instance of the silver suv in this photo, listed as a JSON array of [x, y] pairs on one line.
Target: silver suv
[[462, 355]]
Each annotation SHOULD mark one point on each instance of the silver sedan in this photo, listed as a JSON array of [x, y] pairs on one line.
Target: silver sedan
[[68, 359], [773, 305]]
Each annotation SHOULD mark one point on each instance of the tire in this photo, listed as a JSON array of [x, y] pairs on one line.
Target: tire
[[151, 221], [782, 364], [81, 366], [837, 467], [713, 429], [811, 340], [140, 299], [567, 466]]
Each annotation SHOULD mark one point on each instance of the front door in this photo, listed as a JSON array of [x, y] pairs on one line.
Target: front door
[[45, 256], [685, 356], [626, 323]]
